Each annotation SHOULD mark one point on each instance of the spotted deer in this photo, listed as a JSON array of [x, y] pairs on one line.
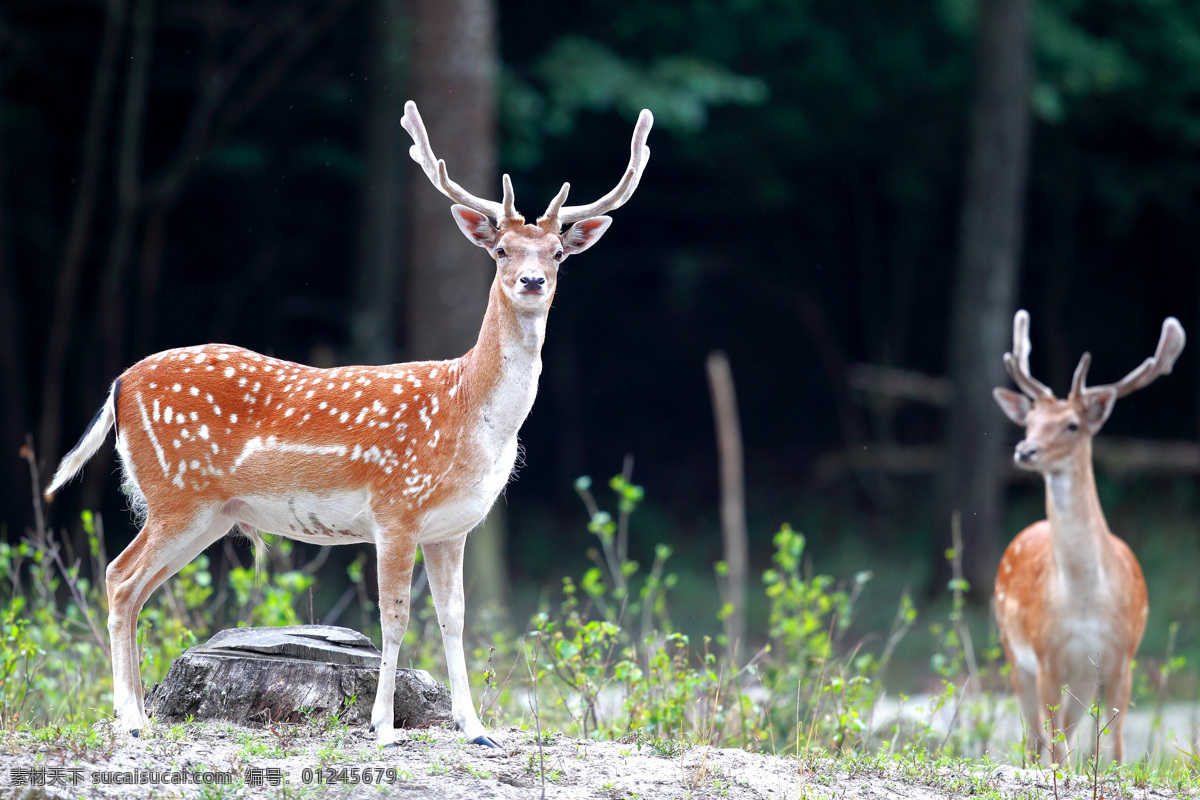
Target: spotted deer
[[216, 437], [1070, 599]]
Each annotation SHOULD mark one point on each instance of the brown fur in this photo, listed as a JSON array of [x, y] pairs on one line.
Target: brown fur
[[1070, 598]]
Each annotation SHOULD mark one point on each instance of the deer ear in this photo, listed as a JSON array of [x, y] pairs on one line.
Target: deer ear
[[1014, 405], [584, 234], [475, 226], [1097, 405]]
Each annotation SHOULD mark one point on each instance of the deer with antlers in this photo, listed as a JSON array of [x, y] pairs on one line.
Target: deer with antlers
[[216, 437], [1070, 598]]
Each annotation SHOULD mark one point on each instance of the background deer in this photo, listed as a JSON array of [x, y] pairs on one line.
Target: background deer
[[1070, 598], [216, 437]]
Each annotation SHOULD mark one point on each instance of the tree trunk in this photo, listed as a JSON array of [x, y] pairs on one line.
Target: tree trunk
[[454, 84], [454, 74], [112, 316], [985, 282], [733, 499], [81, 229], [13, 494], [374, 328]]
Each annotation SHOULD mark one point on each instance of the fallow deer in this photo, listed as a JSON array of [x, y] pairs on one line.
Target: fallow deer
[[216, 437], [1070, 598]]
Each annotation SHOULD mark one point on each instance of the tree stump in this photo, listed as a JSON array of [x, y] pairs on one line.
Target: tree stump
[[256, 676]]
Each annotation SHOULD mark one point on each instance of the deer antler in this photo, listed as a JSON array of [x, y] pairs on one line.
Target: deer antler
[[435, 170], [639, 155], [1017, 362], [1170, 345]]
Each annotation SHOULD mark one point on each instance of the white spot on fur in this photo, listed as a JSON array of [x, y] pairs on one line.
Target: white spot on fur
[[158, 451]]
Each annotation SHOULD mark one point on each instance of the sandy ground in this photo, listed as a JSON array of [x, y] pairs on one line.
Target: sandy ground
[[436, 763], [1145, 735]]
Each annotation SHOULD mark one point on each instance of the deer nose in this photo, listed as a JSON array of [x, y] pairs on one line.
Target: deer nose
[[1026, 451], [530, 283]]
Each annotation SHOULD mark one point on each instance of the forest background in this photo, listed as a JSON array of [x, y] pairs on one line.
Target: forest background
[[848, 199]]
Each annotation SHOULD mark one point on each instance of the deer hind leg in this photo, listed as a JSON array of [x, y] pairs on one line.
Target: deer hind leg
[[396, 557], [1118, 686], [1053, 702], [444, 564], [164, 545]]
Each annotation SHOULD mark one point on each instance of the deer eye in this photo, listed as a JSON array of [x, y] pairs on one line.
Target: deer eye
[[558, 256], [1072, 426], [500, 252]]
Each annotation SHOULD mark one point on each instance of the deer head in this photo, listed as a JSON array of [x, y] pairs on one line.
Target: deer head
[[528, 256], [1055, 430]]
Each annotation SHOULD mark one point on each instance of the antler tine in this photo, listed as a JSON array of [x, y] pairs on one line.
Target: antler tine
[[1079, 380], [1017, 362], [435, 169], [556, 204], [1170, 345], [510, 211], [638, 156]]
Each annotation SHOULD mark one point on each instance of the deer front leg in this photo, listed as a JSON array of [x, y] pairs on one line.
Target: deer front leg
[[1065, 706], [1025, 687], [444, 564], [396, 559]]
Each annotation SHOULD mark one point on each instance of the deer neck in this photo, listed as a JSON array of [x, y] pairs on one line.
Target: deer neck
[[502, 370], [1079, 531]]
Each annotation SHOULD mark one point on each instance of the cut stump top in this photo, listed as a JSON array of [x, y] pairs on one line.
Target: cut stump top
[[253, 676]]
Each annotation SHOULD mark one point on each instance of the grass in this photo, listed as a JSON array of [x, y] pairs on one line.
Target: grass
[[602, 659]]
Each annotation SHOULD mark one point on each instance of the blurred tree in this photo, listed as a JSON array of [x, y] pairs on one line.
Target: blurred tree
[[454, 78], [79, 231], [986, 280], [374, 327], [12, 357]]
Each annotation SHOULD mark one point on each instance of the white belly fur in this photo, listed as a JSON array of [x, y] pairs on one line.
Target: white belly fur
[[336, 518]]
